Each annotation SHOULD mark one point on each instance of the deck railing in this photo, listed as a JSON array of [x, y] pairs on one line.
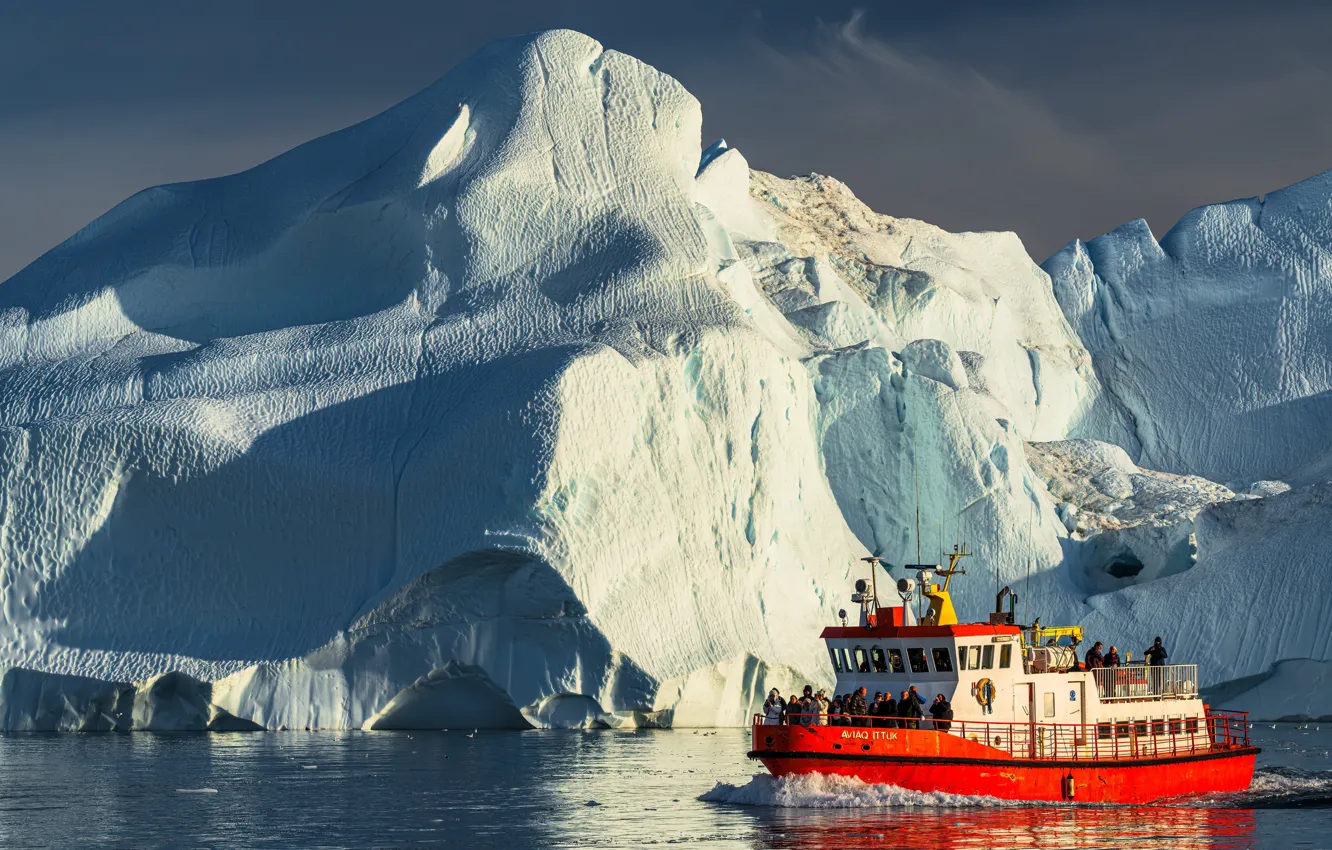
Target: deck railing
[[1135, 739], [1139, 681]]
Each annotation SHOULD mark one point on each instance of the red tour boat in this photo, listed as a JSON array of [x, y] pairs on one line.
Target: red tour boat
[[1029, 723]]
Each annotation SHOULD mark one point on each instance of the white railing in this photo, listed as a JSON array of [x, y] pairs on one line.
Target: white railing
[[1138, 681]]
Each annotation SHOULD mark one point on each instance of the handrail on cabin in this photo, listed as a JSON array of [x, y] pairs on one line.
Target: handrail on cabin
[[1115, 739]]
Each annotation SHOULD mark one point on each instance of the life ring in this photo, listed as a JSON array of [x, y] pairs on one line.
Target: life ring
[[985, 691]]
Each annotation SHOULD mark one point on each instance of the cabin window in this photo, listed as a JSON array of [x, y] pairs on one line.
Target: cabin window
[[837, 663], [895, 660], [1158, 727], [961, 658], [1049, 705], [846, 662], [917, 657], [942, 661], [987, 656], [862, 659], [1176, 726], [1005, 656], [1191, 725], [974, 661], [1142, 727], [1123, 730], [1103, 730], [880, 662]]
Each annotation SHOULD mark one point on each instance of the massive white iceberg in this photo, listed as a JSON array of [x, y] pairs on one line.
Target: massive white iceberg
[[516, 406]]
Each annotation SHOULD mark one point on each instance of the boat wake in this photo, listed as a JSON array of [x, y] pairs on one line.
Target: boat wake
[[820, 791], [1272, 788], [1278, 788]]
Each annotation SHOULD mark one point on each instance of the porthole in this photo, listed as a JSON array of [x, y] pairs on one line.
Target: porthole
[[865, 747], [768, 740], [837, 746]]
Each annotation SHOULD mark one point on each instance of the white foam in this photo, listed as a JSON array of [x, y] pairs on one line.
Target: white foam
[[823, 791]]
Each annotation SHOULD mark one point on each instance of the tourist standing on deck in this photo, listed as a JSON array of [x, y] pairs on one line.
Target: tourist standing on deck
[[908, 709], [857, 708], [888, 711], [774, 708], [1157, 655], [1112, 657], [1095, 660], [942, 712], [820, 708]]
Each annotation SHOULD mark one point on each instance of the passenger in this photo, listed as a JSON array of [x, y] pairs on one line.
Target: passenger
[[835, 715], [774, 708], [919, 700], [942, 712], [876, 709], [792, 709], [1112, 658], [819, 706], [908, 710], [807, 707], [889, 711], [1094, 658], [856, 708], [1157, 655], [1050, 642]]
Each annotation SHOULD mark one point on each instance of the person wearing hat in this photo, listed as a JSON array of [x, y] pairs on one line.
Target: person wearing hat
[[774, 708], [806, 709], [1157, 655], [819, 707]]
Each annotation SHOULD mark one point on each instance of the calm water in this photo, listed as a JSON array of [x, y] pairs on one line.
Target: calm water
[[560, 789]]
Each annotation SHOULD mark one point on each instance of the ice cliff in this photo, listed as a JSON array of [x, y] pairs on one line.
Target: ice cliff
[[517, 406]]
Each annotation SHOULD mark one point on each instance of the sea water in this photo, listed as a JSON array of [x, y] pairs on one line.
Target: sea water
[[579, 789]]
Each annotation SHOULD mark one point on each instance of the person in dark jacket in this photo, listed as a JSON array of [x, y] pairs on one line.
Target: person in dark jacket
[[908, 711], [858, 709], [835, 716], [876, 709], [1112, 657], [1094, 659], [792, 709], [806, 709], [920, 701], [889, 711], [1157, 655], [942, 712]]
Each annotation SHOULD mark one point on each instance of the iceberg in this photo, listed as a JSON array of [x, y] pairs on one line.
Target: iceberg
[[516, 406]]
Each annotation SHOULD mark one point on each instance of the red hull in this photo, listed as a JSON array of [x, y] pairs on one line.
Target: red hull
[[926, 760]]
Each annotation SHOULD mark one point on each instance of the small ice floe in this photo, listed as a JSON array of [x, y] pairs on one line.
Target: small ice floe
[[196, 790], [309, 767]]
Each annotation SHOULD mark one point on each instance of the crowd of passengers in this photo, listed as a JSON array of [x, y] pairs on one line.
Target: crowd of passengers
[[814, 708], [1156, 656]]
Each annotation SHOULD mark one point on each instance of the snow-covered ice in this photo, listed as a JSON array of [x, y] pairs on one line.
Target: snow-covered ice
[[515, 406]]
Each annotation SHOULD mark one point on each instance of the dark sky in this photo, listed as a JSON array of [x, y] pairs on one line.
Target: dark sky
[[1056, 120]]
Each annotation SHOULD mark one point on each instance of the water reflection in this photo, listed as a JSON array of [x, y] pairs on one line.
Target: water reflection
[[1046, 828], [556, 789]]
